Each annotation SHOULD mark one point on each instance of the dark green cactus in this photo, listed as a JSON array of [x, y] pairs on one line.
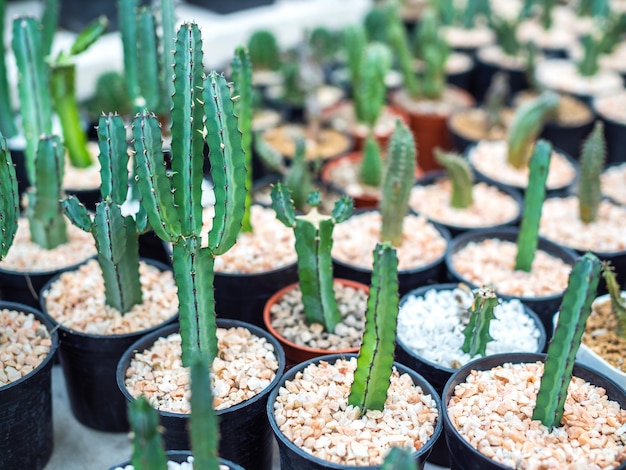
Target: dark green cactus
[[264, 50], [354, 42], [375, 23], [476, 332], [314, 242], [44, 212], [460, 173], [148, 450], [9, 202], [127, 15], [559, 363], [7, 121], [33, 86], [174, 205], [401, 48], [434, 51], [63, 90], [111, 95], [375, 360], [397, 183], [592, 160], [446, 12], [534, 196], [323, 43], [398, 459], [618, 304], [148, 60], [526, 126], [116, 236]]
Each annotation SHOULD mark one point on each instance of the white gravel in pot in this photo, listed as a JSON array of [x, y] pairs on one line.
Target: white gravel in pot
[[613, 183], [431, 326], [562, 75], [475, 37]]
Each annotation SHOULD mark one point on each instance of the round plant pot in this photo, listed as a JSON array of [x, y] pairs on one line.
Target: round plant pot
[[465, 457], [296, 353], [89, 363], [180, 456], [292, 456], [486, 69], [26, 430], [468, 126], [614, 126], [544, 306], [245, 435]]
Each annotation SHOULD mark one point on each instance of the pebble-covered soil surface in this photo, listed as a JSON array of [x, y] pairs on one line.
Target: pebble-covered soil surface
[[613, 183], [601, 335]]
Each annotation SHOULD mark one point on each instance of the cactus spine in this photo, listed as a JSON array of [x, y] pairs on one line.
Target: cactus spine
[[9, 202], [174, 206], [148, 452], [460, 173], [375, 360], [7, 122], [533, 202], [618, 304], [397, 183], [477, 330], [591, 164], [116, 236], [574, 311], [314, 242], [526, 126]]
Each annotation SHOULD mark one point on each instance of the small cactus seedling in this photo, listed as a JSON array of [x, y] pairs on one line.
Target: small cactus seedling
[[476, 332], [375, 360], [264, 51], [618, 303], [397, 183], [8, 126], [375, 23], [398, 459], [526, 126], [9, 202], [591, 164], [323, 43], [460, 173], [116, 235], [559, 363], [533, 202], [314, 242]]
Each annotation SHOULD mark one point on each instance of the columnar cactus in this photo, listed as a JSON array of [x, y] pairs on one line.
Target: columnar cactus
[[116, 235], [574, 311], [434, 51], [397, 183], [533, 202], [314, 242], [618, 303], [399, 43], [173, 204], [9, 202], [476, 332], [460, 173], [375, 360], [591, 165], [7, 121], [264, 51]]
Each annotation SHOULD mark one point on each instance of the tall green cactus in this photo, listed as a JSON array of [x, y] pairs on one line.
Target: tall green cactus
[[44, 212], [354, 42], [399, 43], [526, 126], [264, 50], [173, 204], [375, 360], [592, 160], [434, 51], [148, 60], [476, 332], [559, 363], [116, 236], [33, 87], [8, 126], [397, 183], [371, 169], [618, 304], [460, 173], [9, 202], [314, 242], [298, 176], [534, 196], [148, 451]]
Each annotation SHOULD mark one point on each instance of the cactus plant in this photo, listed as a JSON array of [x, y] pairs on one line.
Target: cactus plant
[[398, 459], [618, 303], [545, 18], [591, 165], [399, 43], [533, 201], [397, 182], [111, 95], [559, 363], [173, 204], [460, 173], [476, 332], [63, 91], [473, 9], [9, 202], [313, 233], [434, 51], [595, 8], [148, 451], [526, 126], [495, 99], [375, 23], [445, 10], [506, 34], [264, 50], [7, 122], [375, 359], [116, 236], [588, 64]]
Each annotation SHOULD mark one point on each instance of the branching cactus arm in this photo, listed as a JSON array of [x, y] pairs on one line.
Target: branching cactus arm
[[618, 303], [477, 330], [591, 165], [148, 449], [298, 175], [9, 202], [460, 173]]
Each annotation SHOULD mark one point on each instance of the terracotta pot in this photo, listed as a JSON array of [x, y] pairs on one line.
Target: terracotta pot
[[296, 353]]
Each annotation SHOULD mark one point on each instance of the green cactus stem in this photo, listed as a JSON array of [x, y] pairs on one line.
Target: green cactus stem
[[111, 95], [33, 87], [460, 173], [264, 50], [314, 242], [9, 202], [446, 11], [398, 459], [595, 8], [401, 48], [618, 303], [476, 332], [148, 450], [397, 183], [591, 165], [474, 9], [371, 169], [148, 60], [298, 176], [534, 196], [547, 6], [375, 360], [126, 12], [116, 236], [559, 363], [242, 85], [168, 35], [434, 51], [495, 100], [506, 34], [7, 121], [49, 24], [526, 126], [588, 65], [375, 23]]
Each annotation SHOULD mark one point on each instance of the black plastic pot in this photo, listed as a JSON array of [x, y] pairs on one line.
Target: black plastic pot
[[464, 78], [484, 73], [26, 431], [545, 306], [293, 457], [89, 363], [180, 456], [462, 455], [432, 176], [567, 138], [245, 435], [229, 6], [75, 15], [615, 138]]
